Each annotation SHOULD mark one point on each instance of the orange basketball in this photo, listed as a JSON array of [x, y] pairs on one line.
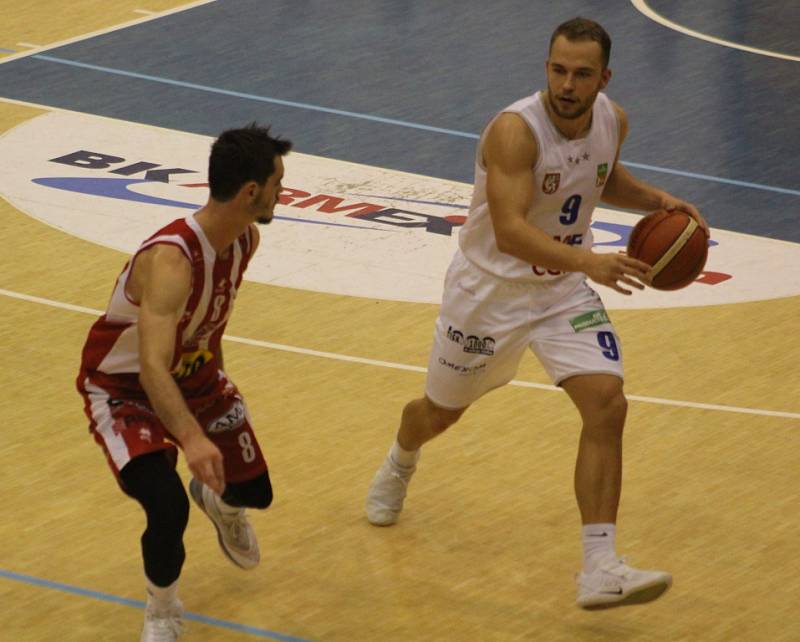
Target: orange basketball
[[673, 244]]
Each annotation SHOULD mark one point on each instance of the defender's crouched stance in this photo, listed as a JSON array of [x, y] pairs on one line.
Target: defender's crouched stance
[[152, 374]]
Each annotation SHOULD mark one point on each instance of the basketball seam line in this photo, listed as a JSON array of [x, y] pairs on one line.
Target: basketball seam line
[[674, 248]]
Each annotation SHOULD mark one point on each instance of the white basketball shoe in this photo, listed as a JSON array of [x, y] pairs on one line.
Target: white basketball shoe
[[236, 536], [162, 624], [387, 492], [614, 583]]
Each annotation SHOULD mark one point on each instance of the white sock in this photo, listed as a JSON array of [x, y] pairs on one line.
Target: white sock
[[403, 458], [598, 544], [163, 597]]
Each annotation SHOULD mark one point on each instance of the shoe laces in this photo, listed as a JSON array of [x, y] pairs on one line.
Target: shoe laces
[[163, 628], [237, 527], [616, 566], [403, 479]]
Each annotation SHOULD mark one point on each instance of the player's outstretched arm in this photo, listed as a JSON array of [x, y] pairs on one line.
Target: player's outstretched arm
[[623, 189], [165, 275]]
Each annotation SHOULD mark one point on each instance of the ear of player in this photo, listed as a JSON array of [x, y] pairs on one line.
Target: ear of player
[[673, 244]]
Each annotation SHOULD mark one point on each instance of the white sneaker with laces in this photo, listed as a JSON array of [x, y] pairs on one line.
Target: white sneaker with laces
[[387, 492], [614, 583], [236, 536], [162, 625]]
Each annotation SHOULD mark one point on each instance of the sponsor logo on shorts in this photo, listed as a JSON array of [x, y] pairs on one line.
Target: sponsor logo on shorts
[[231, 420], [466, 370], [146, 435], [129, 414], [551, 182], [589, 320], [471, 344]]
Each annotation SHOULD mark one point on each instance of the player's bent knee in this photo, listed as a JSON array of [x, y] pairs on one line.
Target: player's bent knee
[[153, 482], [253, 493], [611, 411], [440, 419]]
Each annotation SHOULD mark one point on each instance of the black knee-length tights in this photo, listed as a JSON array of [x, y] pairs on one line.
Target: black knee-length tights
[[152, 480]]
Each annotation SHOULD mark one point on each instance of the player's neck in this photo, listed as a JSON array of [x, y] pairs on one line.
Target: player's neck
[[218, 224], [569, 128]]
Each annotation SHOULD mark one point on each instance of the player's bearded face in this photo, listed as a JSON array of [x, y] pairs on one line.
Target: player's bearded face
[[266, 196], [575, 75], [264, 205], [568, 104]]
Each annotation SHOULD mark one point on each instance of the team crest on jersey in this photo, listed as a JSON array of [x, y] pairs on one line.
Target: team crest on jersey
[[551, 182], [602, 174]]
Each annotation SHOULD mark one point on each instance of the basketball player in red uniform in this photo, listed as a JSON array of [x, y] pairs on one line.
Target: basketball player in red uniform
[[519, 281], [152, 375]]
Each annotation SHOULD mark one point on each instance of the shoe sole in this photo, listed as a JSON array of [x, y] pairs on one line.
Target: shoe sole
[[640, 596], [201, 505], [391, 521]]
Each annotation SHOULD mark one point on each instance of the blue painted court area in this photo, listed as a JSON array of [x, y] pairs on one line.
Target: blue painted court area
[[410, 85], [138, 604]]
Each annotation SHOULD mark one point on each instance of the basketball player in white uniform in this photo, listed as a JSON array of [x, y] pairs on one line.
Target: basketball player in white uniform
[[519, 279]]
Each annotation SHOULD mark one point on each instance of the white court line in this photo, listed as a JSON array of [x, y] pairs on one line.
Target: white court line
[[641, 5], [100, 32], [403, 366]]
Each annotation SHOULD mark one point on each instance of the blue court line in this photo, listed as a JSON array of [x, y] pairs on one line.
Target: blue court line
[[263, 99], [4, 50], [377, 119], [729, 181], [107, 597]]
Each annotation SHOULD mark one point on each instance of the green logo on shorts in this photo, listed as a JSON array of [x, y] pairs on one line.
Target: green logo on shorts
[[588, 320]]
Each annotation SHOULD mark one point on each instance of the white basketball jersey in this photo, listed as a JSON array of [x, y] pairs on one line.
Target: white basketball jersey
[[569, 177]]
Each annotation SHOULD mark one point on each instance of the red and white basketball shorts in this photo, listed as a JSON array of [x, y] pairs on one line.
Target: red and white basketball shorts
[[486, 323], [126, 428]]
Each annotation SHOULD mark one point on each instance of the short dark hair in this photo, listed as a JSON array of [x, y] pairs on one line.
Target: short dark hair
[[242, 155], [584, 29]]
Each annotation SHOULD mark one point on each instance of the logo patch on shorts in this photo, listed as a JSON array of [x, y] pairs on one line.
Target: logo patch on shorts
[[472, 343], [463, 370], [231, 420], [589, 320]]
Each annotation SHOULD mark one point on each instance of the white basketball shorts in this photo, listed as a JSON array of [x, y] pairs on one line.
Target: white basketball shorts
[[486, 323]]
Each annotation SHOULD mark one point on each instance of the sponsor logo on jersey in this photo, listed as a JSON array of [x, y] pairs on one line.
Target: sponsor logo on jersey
[[602, 174], [190, 363]]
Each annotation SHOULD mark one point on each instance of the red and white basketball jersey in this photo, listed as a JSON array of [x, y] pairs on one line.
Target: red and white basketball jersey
[[111, 353], [569, 178]]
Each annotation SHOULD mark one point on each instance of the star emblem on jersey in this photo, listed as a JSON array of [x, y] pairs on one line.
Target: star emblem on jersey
[[576, 160], [551, 182]]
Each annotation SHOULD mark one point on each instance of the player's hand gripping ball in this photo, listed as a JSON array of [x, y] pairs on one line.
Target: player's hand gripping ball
[[673, 244]]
